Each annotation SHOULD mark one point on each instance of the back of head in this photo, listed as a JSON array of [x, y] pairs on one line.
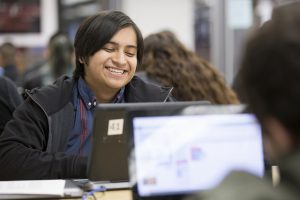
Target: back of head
[[271, 68], [95, 31], [162, 45], [170, 63]]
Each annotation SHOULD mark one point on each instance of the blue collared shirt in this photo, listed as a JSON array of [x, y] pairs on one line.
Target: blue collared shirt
[[84, 102]]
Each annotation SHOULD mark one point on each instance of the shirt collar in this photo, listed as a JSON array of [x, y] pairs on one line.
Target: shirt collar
[[89, 98], [120, 96], [86, 94]]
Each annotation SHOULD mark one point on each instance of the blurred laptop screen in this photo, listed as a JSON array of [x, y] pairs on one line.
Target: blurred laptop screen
[[182, 154]]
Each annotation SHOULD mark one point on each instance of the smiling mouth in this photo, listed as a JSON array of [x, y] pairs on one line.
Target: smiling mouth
[[116, 71]]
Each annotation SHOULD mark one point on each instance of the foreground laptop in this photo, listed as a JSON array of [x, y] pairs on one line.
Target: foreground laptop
[[108, 161], [173, 156], [40, 189]]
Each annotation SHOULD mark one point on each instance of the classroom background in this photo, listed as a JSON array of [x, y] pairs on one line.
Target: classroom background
[[215, 29]]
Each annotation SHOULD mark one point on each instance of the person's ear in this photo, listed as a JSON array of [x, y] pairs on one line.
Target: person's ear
[[84, 60], [81, 61], [279, 138]]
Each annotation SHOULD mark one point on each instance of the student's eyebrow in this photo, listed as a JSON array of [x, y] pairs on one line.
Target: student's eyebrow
[[128, 46]]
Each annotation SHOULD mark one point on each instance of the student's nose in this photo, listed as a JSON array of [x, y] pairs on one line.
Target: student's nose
[[119, 58]]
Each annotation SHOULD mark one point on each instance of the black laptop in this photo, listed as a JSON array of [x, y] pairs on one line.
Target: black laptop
[[108, 161], [192, 150]]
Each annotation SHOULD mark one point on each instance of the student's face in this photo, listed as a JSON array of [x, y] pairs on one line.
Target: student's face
[[113, 66]]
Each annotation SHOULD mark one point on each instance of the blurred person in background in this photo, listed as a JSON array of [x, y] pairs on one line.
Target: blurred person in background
[[167, 62], [8, 62], [60, 61], [269, 77], [22, 59]]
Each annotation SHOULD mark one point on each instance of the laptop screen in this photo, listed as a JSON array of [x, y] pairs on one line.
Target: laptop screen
[[108, 159], [187, 153]]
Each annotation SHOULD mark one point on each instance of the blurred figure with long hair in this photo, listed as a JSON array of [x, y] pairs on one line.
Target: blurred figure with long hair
[[60, 61], [168, 62]]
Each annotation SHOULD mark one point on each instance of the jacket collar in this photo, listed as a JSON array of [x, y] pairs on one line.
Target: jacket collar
[[53, 97], [140, 91]]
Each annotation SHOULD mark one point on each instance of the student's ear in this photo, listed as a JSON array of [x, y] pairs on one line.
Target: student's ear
[[81, 61], [279, 140], [84, 61]]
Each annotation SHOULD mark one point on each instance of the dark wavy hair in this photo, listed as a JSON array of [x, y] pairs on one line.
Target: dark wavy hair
[[168, 62], [270, 71], [95, 31]]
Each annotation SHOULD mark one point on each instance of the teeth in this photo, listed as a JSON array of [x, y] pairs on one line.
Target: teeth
[[117, 71]]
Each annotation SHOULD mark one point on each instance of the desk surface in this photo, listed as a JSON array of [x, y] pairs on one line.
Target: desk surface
[[114, 195], [111, 195]]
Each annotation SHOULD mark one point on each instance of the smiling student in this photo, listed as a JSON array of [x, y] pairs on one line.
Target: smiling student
[[49, 136]]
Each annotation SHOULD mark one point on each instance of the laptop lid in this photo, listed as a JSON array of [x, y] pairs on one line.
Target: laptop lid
[[192, 150], [108, 160]]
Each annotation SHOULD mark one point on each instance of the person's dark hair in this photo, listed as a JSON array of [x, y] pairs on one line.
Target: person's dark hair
[[270, 69], [95, 31], [168, 62]]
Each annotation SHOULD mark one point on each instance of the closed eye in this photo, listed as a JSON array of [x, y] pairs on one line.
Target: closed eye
[[130, 54], [109, 49]]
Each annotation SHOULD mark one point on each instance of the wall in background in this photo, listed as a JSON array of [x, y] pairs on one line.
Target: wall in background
[[49, 25], [155, 15]]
